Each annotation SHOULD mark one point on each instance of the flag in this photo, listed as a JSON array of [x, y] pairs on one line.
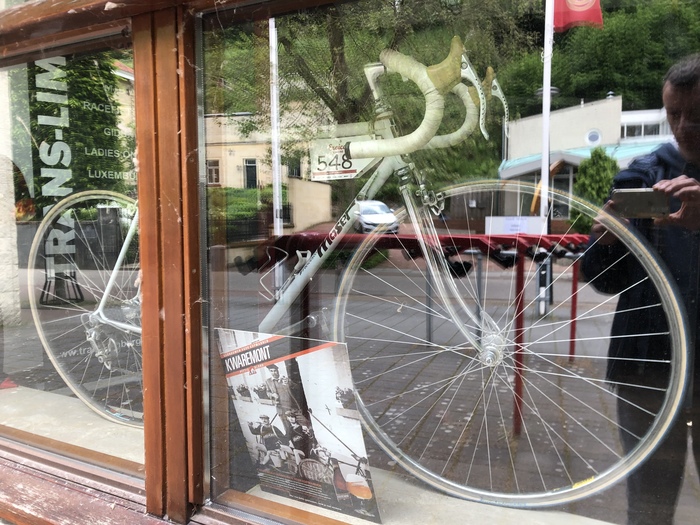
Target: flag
[[570, 13]]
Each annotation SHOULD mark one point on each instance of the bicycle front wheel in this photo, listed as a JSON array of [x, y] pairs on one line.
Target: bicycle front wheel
[[525, 410], [84, 295]]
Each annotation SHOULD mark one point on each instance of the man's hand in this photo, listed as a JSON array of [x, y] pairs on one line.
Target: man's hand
[[687, 190], [600, 233]]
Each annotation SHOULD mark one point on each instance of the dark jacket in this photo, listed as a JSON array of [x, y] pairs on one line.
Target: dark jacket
[[677, 247]]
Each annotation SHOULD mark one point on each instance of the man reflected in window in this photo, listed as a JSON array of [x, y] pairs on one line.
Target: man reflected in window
[[673, 169]]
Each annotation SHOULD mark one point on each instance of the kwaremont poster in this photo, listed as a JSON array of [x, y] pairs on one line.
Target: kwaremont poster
[[297, 411]]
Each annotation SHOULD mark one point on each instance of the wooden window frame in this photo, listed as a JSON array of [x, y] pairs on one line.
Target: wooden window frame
[[162, 36], [162, 33]]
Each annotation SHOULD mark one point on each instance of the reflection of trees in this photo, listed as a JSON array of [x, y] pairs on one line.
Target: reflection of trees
[[97, 142], [628, 56], [593, 183], [321, 57]]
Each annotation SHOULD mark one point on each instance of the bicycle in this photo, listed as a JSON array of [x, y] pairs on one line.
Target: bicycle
[[438, 358], [449, 380], [84, 282]]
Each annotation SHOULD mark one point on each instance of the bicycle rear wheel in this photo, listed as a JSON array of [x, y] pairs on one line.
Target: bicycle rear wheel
[[71, 262], [515, 418]]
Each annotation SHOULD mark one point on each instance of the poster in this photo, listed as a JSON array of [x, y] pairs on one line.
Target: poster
[[298, 415]]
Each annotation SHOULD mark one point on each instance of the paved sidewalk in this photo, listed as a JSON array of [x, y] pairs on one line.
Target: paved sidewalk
[[399, 497]]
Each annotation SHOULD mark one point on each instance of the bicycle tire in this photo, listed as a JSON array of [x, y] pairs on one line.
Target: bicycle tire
[[71, 259], [453, 417]]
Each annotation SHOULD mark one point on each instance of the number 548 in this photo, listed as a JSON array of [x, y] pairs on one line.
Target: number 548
[[336, 162]]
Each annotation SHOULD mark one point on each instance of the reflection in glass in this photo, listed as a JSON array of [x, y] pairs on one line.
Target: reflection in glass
[[400, 329], [70, 359]]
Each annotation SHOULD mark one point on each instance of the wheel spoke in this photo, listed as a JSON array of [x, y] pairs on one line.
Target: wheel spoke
[[98, 361], [510, 417]]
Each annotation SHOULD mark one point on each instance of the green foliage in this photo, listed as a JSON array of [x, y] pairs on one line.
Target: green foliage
[[521, 79], [231, 70], [593, 183], [90, 143], [629, 57], [322, 53], [240, 203]]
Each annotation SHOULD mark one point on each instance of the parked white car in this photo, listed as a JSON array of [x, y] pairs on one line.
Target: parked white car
[[372, 214]]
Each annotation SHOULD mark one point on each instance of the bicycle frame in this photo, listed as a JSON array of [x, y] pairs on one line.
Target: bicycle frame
[[393, 164], [99, 312], [296, 282]]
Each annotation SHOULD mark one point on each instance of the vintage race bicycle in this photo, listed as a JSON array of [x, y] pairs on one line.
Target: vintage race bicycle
[[452, 379]]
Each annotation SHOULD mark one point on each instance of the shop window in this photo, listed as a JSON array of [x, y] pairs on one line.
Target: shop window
[[70, 344], [358, 370]]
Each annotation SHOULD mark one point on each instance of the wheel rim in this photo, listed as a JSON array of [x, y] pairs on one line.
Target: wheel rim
[[79, 239], [416, 401]]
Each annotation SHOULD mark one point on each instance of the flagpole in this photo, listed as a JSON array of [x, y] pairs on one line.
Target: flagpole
[[277, 218], [546, 103]]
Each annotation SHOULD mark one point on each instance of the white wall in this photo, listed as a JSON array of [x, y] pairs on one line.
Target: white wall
[[9, 266], [311, 202], [568, 128], [225, 144]]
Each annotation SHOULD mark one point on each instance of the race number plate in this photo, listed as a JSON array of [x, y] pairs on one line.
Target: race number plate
[[329, 162]]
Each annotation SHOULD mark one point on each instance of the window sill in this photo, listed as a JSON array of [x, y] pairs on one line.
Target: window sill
[[33, 497]]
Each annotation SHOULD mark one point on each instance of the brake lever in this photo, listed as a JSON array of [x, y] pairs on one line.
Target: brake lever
[[469, 74], [497, 92]]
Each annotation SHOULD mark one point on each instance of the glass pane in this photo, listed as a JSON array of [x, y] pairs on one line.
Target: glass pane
[[398, 321], [9, 3], [70, 361], [651, 129]]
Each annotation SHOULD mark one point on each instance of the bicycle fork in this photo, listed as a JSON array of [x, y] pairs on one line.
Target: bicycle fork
[[487, 339]]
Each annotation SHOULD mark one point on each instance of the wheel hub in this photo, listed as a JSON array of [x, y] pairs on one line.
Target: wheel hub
[[492, 349]]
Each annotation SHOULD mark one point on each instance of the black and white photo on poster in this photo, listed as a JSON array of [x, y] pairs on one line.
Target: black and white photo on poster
[[297, 413]]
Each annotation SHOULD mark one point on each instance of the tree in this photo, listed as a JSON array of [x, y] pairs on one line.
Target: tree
[[593, 183], [322, 53], [629, 57], [631, 54], [74, 139]]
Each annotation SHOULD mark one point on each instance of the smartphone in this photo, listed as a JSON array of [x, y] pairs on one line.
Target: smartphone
[[640, 203]]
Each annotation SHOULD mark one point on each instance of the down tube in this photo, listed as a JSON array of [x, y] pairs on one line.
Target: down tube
[[297, 281]]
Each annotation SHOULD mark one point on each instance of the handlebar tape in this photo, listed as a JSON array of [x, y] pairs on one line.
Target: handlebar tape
[[468, 126], [446, 75]]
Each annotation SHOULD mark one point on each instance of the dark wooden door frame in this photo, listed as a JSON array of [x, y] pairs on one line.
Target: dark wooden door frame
[[166, 133]]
